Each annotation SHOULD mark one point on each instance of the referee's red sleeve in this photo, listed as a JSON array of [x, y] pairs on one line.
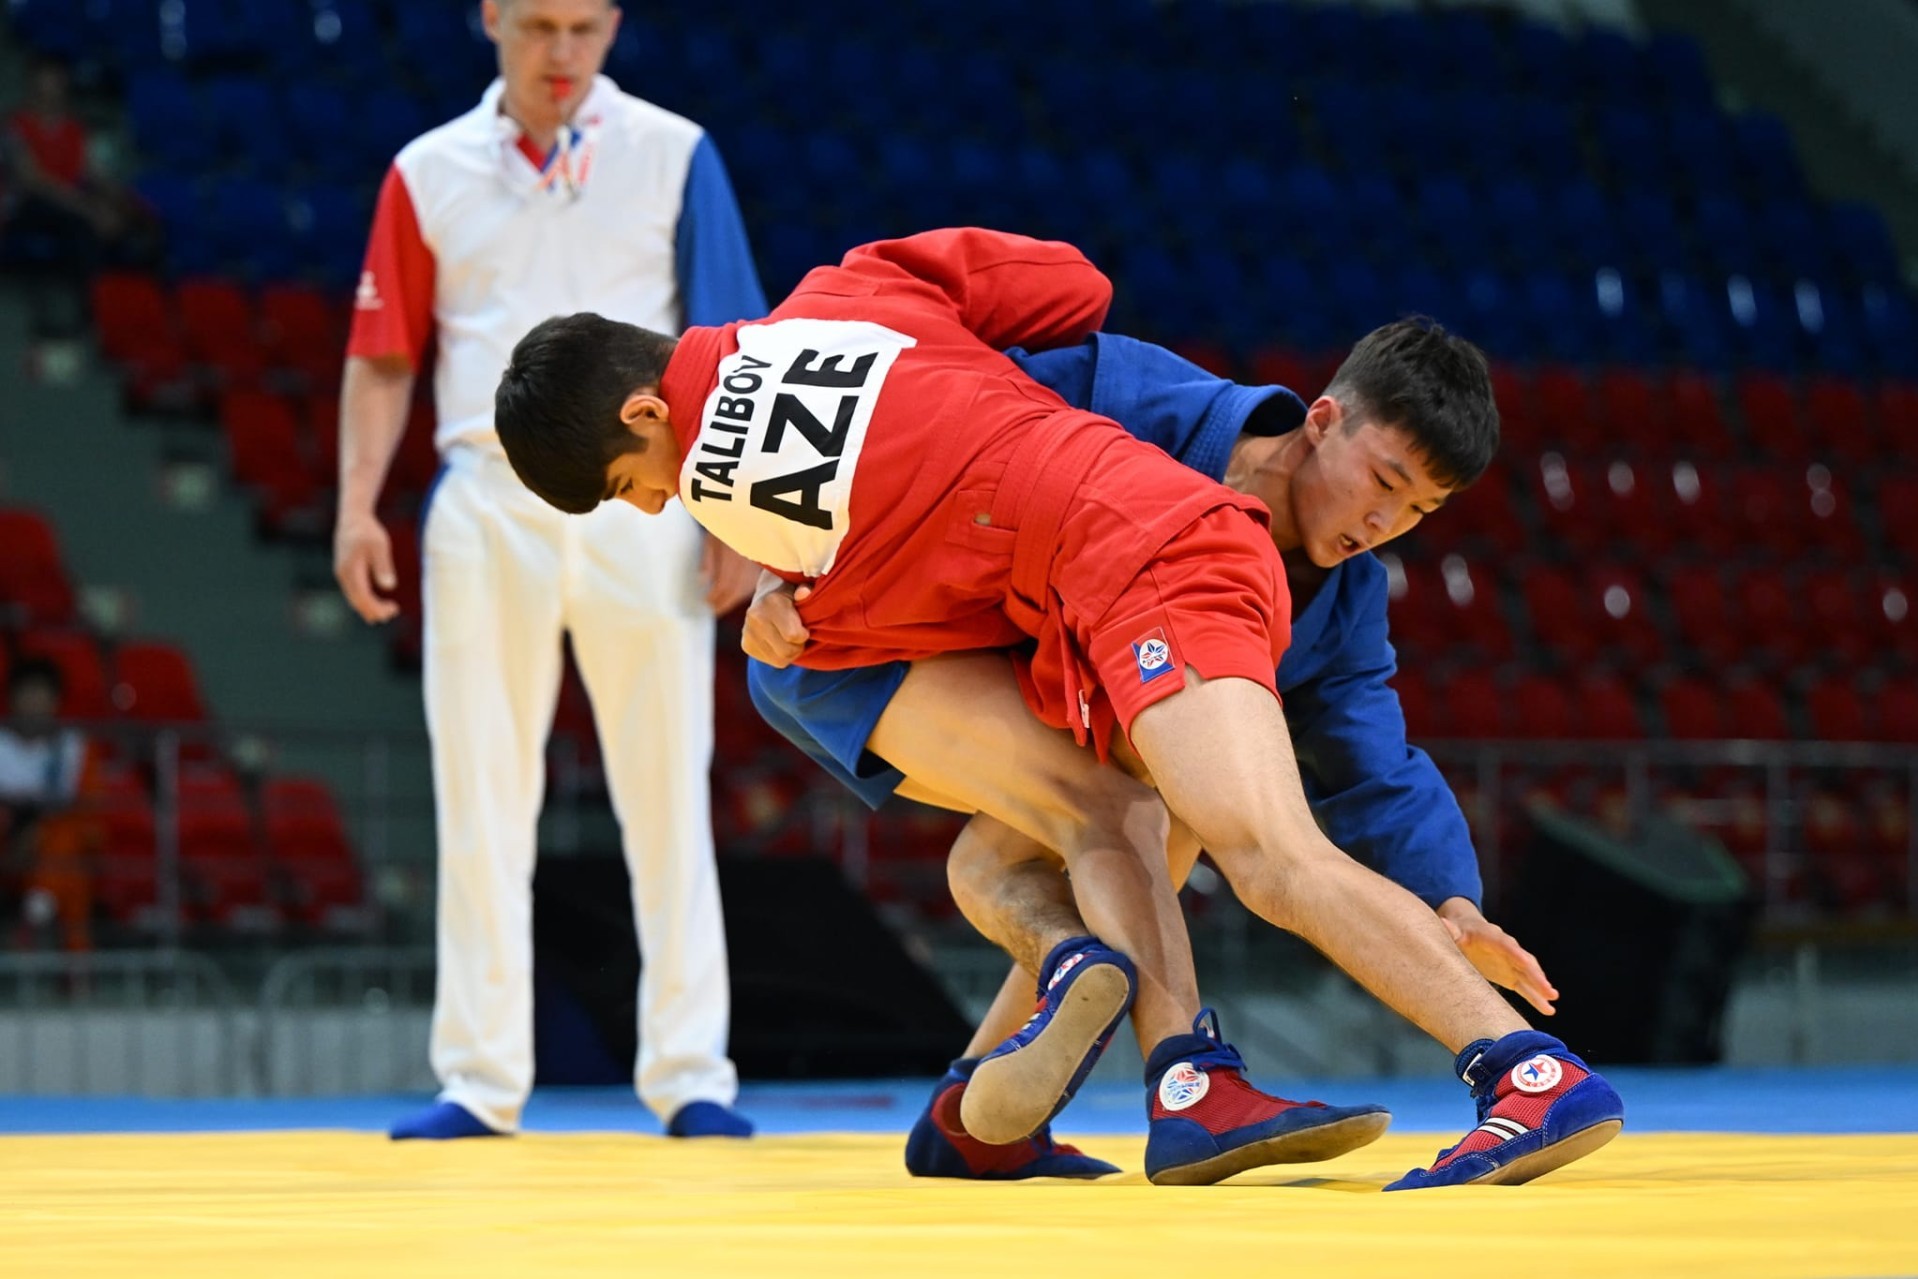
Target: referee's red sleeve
[[393, 308]]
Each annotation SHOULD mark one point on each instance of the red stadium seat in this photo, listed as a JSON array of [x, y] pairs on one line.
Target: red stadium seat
[[1698, 424], [1483, 514], [1836, 712], [34, 589], [1898, 513], [416, 462], [1770, 618], [1699, 603], [1692, 710], [1770, 409], [1897, 404], [1841, 422], [1605, 614], [263, 448], [1766, 513], [321, 418], [1447, 610], [137, 330], [310, 846], [155, 684], [1697, 508], [216, 320], [1754, 710], [1891, 611], [1553, 601], [304, 332], [1472, 706], [1634, 412], [126, 885], [81, 671], [1542, 708], [1897, 704], [1283, 366], [1836, 611], [1565, 494], [1606, 708], [1520, 431], [220, 851], [407, 628], [1415, 699], [1567, 411]]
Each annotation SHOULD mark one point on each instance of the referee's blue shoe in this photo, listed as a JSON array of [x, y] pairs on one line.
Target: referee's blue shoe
[[1539, 1108], [939, 1145], [442, 1121], [1208, 1122], [1085, 989]]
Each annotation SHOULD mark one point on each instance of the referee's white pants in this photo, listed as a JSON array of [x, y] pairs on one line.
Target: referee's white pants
[[504, 576]]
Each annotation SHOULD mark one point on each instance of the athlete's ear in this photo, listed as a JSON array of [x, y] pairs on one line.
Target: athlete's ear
[[645, 416], [1322, 418]]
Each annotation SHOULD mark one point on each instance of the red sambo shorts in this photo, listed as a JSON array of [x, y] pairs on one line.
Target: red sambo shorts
[[1213, 598]]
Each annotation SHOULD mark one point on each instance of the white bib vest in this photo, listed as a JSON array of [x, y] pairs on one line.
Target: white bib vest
[[770, 472]]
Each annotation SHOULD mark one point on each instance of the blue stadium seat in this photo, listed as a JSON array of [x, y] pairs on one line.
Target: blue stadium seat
[[1726, 236], [319, 119], [1696, 319], [1451, 219], [245, 116], [246, 218], [1676, 66], [1765, 324], [1517, 221], [1701, 148], [1548, 140], [1586, 227], [1890, 328], [1417, 289], [175, 201], [1633, 144], [1561, 315], [58, 28], [1863, 244], [1608, 66], [1765, 155], [388, 121], [330, 224], [168, 128], [1788, 236], [1542, 59]]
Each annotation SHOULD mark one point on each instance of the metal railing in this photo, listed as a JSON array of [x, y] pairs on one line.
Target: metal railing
[[140, 1022]]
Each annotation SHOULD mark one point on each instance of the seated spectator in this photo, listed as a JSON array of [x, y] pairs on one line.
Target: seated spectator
[[65, 219], [47, 829]]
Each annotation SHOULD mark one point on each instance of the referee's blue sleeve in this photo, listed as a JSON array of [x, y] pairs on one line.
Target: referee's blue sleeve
[[718, 282]]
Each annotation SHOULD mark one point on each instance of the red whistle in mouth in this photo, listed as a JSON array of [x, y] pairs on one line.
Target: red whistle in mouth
[[562, 87]]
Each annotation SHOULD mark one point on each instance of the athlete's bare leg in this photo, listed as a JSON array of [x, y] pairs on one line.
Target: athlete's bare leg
[[1015, 893], [1110, 831], [1222, 757]]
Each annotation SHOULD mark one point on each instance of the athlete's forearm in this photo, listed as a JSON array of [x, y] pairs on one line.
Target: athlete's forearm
[[374, 396]]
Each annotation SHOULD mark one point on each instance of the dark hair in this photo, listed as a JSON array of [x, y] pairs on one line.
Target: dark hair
[[35, 670], [557, 407], [1433, 385]]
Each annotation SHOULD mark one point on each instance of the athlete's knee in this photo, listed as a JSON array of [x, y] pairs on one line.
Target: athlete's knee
[[1115, 813]]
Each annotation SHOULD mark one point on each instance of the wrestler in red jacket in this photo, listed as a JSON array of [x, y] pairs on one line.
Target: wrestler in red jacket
[[869, 439]]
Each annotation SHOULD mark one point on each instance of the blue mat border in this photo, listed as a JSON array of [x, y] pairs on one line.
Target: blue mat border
[[1847, 1100]]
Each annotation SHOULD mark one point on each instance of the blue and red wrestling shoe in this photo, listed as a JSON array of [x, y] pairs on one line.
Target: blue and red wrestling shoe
[[1539, 1108], [939, 1146], [1208, 1122], [1085, 989]]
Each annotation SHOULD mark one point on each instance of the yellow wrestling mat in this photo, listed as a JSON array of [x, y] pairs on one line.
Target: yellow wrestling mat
[[290, 1205]]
